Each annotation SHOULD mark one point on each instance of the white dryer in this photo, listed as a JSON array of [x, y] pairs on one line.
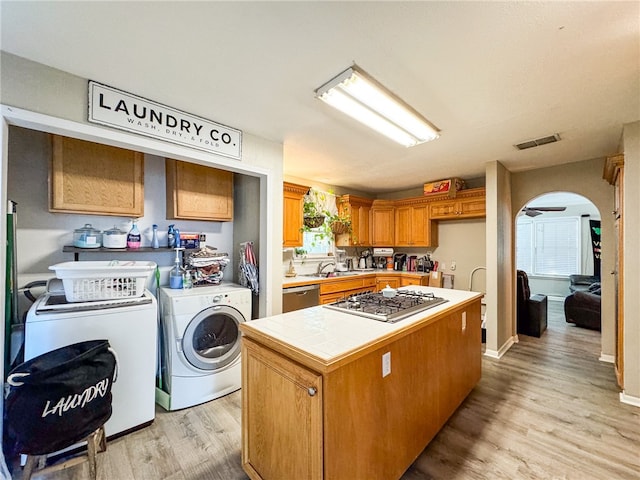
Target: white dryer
[[201, 342], [130, 325]]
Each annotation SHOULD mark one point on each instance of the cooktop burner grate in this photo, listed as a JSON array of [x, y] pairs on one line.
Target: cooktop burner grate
[[386, 309]]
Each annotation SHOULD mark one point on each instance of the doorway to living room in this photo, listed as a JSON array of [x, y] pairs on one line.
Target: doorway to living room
[[557, 250]]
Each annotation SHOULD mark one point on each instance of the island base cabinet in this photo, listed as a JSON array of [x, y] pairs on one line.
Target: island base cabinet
[[281, 416], [363, 422]]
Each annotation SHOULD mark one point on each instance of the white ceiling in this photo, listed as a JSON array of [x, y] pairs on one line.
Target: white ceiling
[[487, 74]]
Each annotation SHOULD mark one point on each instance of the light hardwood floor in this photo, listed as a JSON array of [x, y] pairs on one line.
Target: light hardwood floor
[[548, 409]]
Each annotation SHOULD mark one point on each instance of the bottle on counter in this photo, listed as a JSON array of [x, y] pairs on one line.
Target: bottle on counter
[[175, 275], [154, 238], [171, 236], [133, 237]]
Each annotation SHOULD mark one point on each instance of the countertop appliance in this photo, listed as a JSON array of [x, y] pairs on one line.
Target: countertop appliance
[[297, 298], [201, 342], [387, 309], [130, 325], [399, 261]]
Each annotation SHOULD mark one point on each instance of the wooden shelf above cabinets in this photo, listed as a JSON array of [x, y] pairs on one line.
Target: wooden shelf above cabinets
[[95, 179], [197, 192], [293, 198], [469, 203]]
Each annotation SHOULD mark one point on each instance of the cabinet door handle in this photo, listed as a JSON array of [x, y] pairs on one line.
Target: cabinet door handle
[[312, 391]]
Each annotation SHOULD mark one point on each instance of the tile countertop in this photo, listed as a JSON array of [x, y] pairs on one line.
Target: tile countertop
[[312, 279], [329, 335]]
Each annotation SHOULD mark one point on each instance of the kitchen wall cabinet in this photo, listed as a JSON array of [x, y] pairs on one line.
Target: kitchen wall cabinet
[[197, 192], [95, 179], [359, 209], [282, 412], [413, 226], [293, 198], [469, 203], [382, 223]]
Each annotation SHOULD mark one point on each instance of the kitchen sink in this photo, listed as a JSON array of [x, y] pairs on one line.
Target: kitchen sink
[[329, 275]]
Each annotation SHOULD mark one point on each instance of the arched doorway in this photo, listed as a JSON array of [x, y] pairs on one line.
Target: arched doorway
[[557, 238]]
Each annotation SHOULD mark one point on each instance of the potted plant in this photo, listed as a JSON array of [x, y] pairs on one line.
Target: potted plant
[[312, 217], [339, 223]]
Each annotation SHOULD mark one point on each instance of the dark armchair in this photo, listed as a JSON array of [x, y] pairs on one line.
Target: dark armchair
[[531, 309], [582, 282], [583, 307]]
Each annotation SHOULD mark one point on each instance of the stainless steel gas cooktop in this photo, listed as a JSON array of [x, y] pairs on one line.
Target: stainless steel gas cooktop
[[386, 309]]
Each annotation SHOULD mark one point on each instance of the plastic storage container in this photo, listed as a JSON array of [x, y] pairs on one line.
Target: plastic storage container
[[89, 281], [114, 238], [87, 237]]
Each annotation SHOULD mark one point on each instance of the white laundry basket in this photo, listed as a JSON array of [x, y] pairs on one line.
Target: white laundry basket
[[92, 281]]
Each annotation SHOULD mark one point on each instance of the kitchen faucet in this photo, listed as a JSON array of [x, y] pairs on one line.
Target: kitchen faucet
[[322, 267]]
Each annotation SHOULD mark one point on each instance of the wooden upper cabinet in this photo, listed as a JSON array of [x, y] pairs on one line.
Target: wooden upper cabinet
[[293, 198], [469, 203], [359, 209], [95, 179], [382, 223], [197, 192], [413, 226]]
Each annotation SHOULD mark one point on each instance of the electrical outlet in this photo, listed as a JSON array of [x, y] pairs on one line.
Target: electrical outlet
[[443, 266], [386, 364], [453, 265]]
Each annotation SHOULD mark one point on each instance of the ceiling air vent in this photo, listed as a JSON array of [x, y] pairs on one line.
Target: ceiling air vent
[[538, 141]]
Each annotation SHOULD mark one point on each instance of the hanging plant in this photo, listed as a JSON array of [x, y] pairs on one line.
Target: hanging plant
[[313, 217], [340, 224]]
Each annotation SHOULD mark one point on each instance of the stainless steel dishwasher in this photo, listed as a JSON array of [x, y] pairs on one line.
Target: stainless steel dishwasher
[[296, 298]]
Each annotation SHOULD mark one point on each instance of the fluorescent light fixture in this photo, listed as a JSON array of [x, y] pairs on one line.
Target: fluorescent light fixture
[[358, 95]]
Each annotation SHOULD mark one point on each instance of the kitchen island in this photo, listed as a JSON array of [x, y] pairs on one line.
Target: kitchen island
[[332, 395]]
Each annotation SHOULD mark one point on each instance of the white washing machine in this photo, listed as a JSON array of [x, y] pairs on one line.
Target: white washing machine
[[130, 325], [201, 342]]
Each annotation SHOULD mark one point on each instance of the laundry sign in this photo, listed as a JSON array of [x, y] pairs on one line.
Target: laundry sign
[[125, 111]]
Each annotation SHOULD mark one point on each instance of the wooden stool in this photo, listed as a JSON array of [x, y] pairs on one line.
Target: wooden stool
[[96, 442]]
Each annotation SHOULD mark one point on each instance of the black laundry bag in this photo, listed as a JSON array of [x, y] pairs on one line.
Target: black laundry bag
[[60, 397]]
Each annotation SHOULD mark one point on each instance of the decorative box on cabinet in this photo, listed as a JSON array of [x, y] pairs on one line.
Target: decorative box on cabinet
[[95, 179], [413, 226], [469, 203], [293, 198], [382, 223], [359, 210], [197, 192]]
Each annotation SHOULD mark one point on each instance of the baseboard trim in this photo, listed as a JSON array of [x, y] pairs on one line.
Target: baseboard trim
[[629, 400], [497, 354], [555, 298], [607, 358]]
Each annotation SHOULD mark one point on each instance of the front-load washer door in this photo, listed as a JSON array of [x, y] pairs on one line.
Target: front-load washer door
[[212, 338]]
